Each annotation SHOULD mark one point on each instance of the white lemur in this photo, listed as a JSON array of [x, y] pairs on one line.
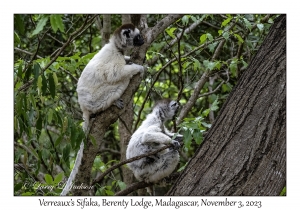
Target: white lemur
[[104, 80], [150, 136]]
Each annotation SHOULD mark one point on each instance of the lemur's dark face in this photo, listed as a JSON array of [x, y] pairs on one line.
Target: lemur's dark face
[[132, 37], [138, 40]]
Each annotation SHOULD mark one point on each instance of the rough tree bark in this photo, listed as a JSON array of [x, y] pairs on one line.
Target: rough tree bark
[[244, 152], [125, 125], [106, 30], [103, 120]]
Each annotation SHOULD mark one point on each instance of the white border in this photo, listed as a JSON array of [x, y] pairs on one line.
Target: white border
[[8, 8]]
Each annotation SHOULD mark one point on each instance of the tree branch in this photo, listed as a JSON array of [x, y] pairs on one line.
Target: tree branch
[[99, 179]]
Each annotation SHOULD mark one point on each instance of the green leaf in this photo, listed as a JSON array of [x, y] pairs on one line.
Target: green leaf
[[17, 39], [212, 46], [214, 105], [205, 112], [39, 125], [53, 23], [56, 23], [39, 84], [218, 65], [226, 35], [58, 177], [51, 86], [122, 185], [240, 39], [225, 22], [220, 32], [211, 65], [27, 193], [49, 116], [209, 36], [40, 26], [198, 136], [185, 19], [187, 138], [48, 179], [196, 64], [44, 85], [248, 24], [270, 21], [203, 38], [109, 192], [170, 32], [206, 124], [205, 63], [194, 18], [66, 153], [260, 26], [55, 78], [245, 65], [233, 67], [58, 140], [36, 72], [20, 71], [18, 186], [19, 24], [183, 167]]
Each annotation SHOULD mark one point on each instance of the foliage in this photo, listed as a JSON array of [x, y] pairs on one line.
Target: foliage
[[51, 51]]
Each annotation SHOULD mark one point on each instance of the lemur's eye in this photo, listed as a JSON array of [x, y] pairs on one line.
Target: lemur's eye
[[174, 103], [126, 33]]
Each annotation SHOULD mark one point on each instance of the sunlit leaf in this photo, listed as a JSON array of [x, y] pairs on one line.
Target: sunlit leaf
[[170, 32], [40, 26], [203, 38], [240, 39], [58, 178], [225, 22], [48, 179]]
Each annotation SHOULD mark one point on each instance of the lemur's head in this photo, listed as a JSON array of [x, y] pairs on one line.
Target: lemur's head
[[129, 35], [167, 108]]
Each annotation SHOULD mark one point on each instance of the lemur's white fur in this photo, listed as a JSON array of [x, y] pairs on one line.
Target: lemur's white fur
[[105, 79], [106, 76], [150, 136]]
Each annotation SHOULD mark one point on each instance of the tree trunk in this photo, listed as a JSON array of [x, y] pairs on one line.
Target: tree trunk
[[244, 152], [106, 30]]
